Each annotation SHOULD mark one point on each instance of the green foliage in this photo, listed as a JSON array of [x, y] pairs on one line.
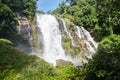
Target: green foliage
[[12, 61], [97, 33], [110, 45], [40, 12], [29, 8], [100, 17], [67, 42], [5, 41], [81, 12], [38, 70], [16, 65], [35, 36], [8, 22], [23, 7], [9, 10], [67, 72], [108, 17], [89, 13], [105, 64]]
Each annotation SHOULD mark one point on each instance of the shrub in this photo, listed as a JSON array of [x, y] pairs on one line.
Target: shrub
[[105, 64], [6, 41]]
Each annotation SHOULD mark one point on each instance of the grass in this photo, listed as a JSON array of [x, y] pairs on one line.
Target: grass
[[12, 61]]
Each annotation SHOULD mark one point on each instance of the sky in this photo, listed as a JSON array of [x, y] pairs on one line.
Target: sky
[[47, 5]]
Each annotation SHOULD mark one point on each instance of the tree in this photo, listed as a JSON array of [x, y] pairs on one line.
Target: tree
[[23, 7], [108, 16], [8, 22], [105, 64], [40, 12], [80, 12]]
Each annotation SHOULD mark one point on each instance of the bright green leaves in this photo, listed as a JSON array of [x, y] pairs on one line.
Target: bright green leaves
[[8, 19], [80, 12], [105, 64], [89, 13], [23, 7], [5, 41], [110, 45]]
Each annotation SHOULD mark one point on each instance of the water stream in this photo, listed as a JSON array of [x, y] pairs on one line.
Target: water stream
[[51, 34]]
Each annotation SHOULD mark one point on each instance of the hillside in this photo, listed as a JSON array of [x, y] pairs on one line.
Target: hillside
[[16, 65]]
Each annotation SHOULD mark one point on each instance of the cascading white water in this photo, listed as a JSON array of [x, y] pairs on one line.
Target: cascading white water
[[79, 32], [68, 33], [49, 27], [49, 32], [85, 35], [89, 47], [89, 37]]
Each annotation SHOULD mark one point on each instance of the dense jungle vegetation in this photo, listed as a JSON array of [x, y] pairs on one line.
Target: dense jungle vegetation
[[100, 17], [10, 11]]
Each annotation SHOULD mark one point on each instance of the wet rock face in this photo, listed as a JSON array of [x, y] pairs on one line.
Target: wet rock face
[[24, 29], [77, 41], [61, 62], [25, 39]]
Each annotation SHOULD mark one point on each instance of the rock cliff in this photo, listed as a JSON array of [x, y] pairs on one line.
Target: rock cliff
[[24, 29]]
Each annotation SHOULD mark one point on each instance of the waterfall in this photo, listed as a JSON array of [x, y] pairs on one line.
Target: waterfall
[[49, 27], [50, 32], [87, 38], [79, 32], [68, 33]]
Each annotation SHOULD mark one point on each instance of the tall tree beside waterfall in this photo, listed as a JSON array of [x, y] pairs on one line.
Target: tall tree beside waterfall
[[81, 12], [105, 64], [108, 16], [8, 22], [23, 7], [99, 17], [8, 18]]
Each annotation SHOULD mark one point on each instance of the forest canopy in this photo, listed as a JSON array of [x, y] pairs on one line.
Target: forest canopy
[[102, 18], [10, 10]]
